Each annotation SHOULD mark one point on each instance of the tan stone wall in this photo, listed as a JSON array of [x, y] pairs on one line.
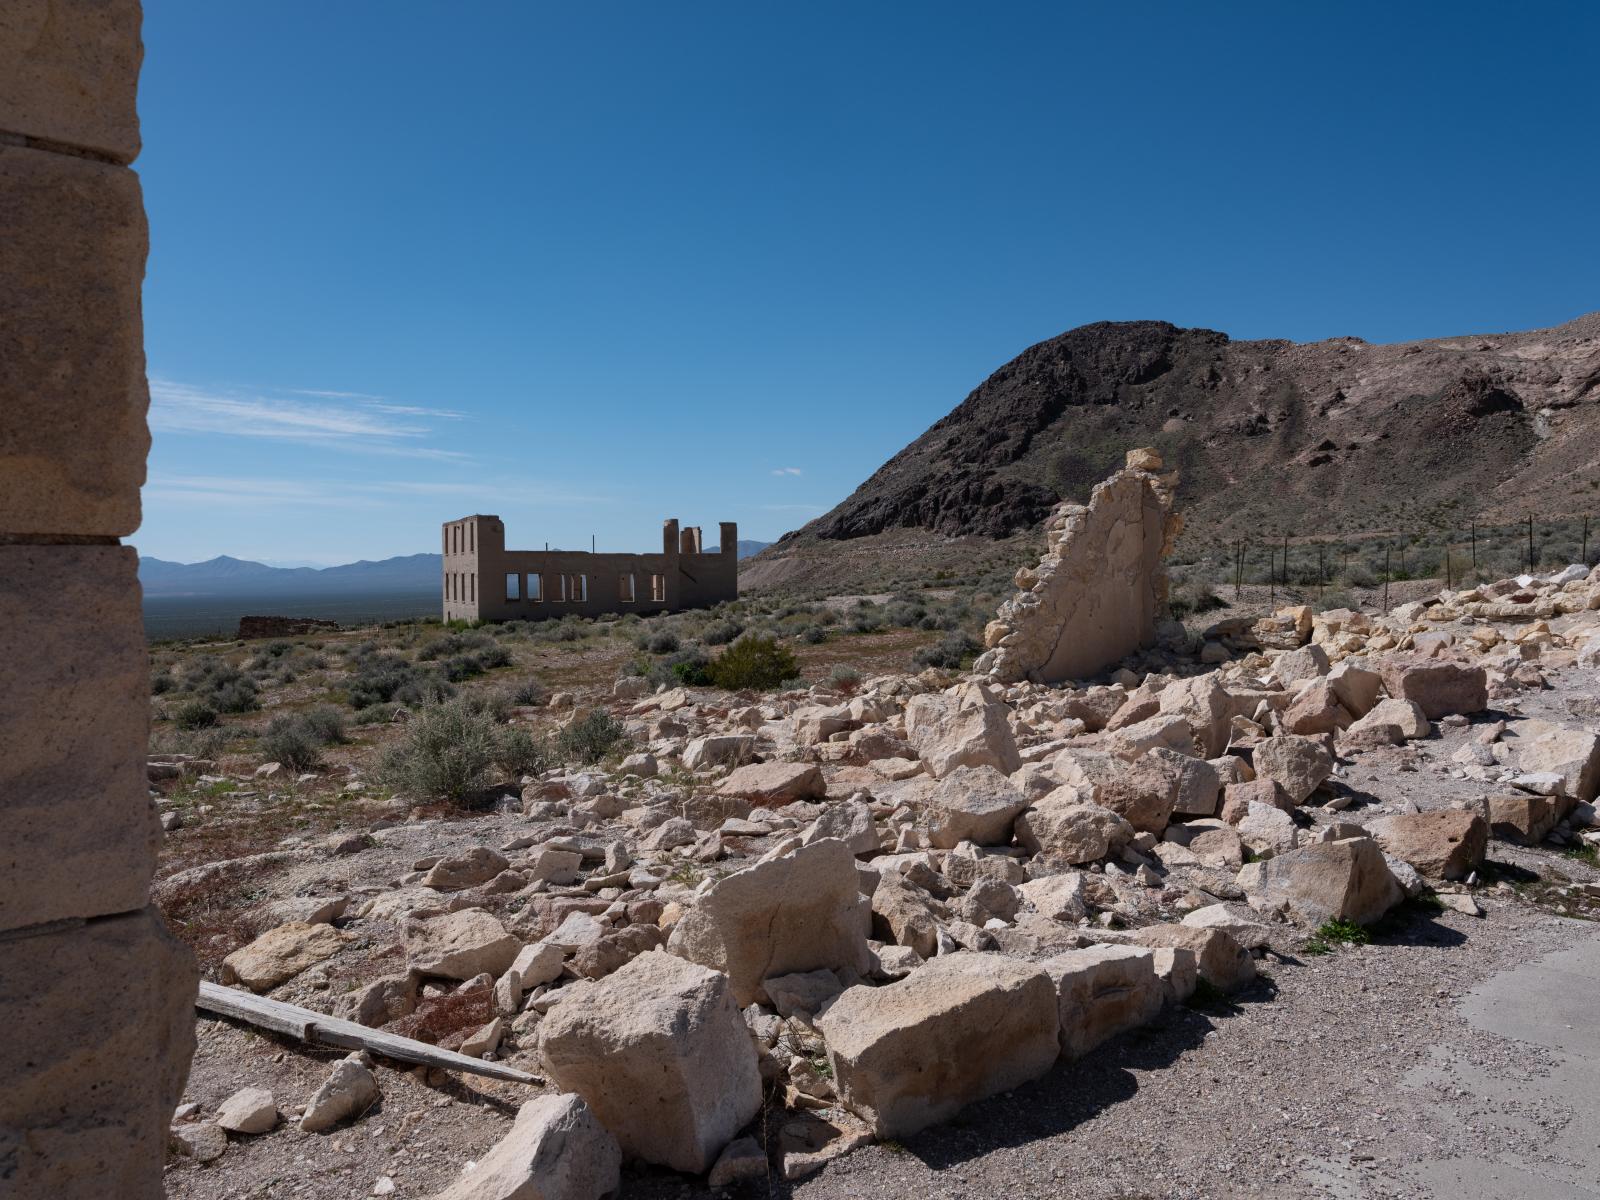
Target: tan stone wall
[[96, 996], [1096, 595]]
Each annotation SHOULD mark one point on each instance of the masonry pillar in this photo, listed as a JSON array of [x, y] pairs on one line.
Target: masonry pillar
[[96, 996]]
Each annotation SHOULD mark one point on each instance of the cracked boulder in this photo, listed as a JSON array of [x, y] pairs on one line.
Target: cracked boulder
[[959, 1029], [972, 804], [1346, 880], [1103, 991], [1443, 844], [660, 1052], [801, 912]]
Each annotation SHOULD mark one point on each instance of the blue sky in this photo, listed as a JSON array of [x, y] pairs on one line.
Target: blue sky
[[589, 266]]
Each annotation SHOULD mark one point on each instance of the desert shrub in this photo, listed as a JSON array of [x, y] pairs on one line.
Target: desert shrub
[[590, 738], [161, 684], [452, 644], [492, 703], [843, 678], [529, 691], [288, 740], [754, 662], [380, 678], [1194, 596], [196, 714], [459, 667], [518, 752], [234, 696], [865, 622], [493, 657], [374, 714], [665, 642], [445, 754], [720, 633], [814, 635], [950, 652], [325, 723]]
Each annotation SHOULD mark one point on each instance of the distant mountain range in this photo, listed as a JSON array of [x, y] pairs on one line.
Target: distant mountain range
[[226, 576]]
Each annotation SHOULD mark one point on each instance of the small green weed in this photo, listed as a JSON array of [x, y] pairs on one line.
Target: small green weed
[[1333, 933]]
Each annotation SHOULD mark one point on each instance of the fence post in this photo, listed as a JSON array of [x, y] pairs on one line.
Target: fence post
[[1386, 580], [1530, 543]]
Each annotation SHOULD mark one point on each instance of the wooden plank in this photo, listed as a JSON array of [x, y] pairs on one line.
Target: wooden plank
[[305, 1025]]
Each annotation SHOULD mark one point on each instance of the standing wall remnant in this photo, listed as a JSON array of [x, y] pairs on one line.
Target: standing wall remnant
[[96, 996], [1096, 595]]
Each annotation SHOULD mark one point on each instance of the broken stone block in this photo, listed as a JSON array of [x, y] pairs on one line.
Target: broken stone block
[[799, 912], [1539, 747], [1143, 791], [972, 804], [1440, 687], [1267, 830], [556, 1150], [1357, 685], [280, 954], [775, 783], [1297, 764], [1237, 920], [1059, 897], [599, 958], [459, 945], [349, 1091], [947, 733], [203, 1141], [1178, 969], [1407, 715], [1345, 880], [959, 1029], [1062, 827], [1442, 844], [661, 1054], [1522, 818], [1219, 959], [1205, 704], [1103, 991], [384, 999], [1316, 710], [457, 871], [743, 1161], [804, 992], [903, 913], [850, 822], [249, 1110]]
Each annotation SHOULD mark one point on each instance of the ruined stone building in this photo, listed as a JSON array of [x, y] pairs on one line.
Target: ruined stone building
[[483, 581]]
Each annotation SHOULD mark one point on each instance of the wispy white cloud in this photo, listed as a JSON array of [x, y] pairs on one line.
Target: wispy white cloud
[[362, 428], [265, 493], [787, 471], [412, 410], [333, 395]]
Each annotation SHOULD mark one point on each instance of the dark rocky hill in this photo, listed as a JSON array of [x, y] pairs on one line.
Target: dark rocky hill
[[1272, 437]]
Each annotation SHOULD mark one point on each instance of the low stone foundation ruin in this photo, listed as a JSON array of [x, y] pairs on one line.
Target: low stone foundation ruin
[[1100, 587], [278, 627]]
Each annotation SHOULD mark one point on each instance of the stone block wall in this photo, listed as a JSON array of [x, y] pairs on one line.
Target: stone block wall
[[1096, 595], [96, 996]]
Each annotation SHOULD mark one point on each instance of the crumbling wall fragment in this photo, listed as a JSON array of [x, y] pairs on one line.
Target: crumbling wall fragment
[[1096, 595]]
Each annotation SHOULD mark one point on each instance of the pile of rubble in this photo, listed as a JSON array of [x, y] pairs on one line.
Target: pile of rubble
[[864, 912]]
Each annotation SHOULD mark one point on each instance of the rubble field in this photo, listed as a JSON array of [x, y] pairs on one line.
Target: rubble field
[[1210, 925]]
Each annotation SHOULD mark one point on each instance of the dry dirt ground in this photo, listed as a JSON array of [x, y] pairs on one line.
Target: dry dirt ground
[[1454, 1056]]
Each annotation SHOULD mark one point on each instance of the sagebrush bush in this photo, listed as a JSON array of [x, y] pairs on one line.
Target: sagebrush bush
[[195, 714], [754, 662], [950, 652], [529, 692], [445, 754], [288, 740], [589, 739], [844, 678], [722, 632], [518, 752], [665, 642]]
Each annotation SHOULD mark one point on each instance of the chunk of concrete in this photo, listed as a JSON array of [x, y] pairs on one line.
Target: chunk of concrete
[[1297, 764], [350, 1089], [1063, 827], [947, 734], [972, 804], [1441, 687], [1219, 959], [1443, 844], [459, 945], [775, 783], [280, 954]]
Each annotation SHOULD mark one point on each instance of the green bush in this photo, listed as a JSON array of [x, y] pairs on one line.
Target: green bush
[[844, 678], [518, 752], [589, 739], [754, 662], [951, 652], [290, 741], [445, 754], [195, 714], [528, 692]]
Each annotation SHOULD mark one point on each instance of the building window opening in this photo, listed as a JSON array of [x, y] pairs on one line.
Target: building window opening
[[472, 589], [658, 589], [513, 586], [535, 588], [626, 591]]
